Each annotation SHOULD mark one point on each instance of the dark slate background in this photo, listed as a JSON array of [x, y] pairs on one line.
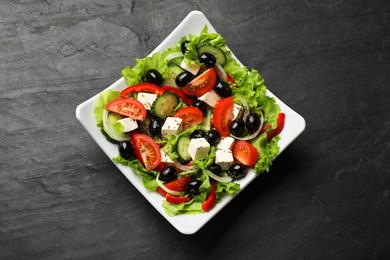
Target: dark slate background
[[326, 197]]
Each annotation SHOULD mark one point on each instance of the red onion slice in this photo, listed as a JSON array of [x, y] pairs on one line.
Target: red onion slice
[[218, 178], [173, 55], [162, 186], [221, 72]]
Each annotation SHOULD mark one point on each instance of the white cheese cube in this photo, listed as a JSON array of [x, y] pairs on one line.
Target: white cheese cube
[[210, 98], [172, 126], [192, 68], [198, 149], [237, 110], [165, 158], [128, 124], [224, 158], [146, 99], [226, 143]]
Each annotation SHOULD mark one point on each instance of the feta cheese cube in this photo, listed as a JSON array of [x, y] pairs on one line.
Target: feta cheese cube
[[165, 158], [128, 124], [224, 158], [192, 68], [236, 110], [226, 143], [210, 98], [198, 149], [172, 126], [146, 99]]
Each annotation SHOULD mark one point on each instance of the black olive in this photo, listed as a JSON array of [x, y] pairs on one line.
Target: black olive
[[252, 122], [183, 78], [183, 46], [222, 89], [192, 187], [153, 76], [168, 174], [126, 150], [201, 105], [198, 134], [207, 59], [237, 171], [155, 126], [215, 168], [237, 127], [213, 137]]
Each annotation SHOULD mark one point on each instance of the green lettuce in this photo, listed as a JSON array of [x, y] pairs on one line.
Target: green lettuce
[[100, 105], [148, 177], [267, 151], [191, 207], [223, 188]]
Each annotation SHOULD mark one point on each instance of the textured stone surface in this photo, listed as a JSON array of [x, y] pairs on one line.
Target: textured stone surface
[[326, 197]]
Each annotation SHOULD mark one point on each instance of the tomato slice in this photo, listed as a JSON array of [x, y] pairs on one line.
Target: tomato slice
[[211, 198], [142, 87], [191, 116], [178, 184], [223, 116], [146, 150], [177, 199], [201, 84], [279, 126], [128, 107], [245, 153], [179, 93]]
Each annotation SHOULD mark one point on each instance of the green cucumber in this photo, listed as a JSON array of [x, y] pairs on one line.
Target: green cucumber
[[176, 61], [165, 105], [182, 149], [173, 71], [217, 52]]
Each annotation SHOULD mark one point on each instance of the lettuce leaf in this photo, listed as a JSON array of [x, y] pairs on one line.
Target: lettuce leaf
[[136, 74], [224, 188], [191, 207], [100, 105], [267, 151], [148, 177]]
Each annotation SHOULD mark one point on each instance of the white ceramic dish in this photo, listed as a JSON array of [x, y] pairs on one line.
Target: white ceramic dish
[[186, 224]]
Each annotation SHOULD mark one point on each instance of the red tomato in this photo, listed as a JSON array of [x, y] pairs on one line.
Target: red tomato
[[211, 198], [178, 184], [177, 199], [142, 87], [201, 84], [223, 116], [191, 116], [245, 153], [231, 79], [279, 127], [128, 107], [179, 93], [146, 150], [161, 191]]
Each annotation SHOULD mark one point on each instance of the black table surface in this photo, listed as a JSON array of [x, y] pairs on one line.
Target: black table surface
[[326, 197]]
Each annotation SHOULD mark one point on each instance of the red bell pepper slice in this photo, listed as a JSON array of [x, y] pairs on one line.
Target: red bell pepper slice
[[179, 93], [279, 126], [143, 87], [211, 198], [230, 79], [178, 184], [177, 199]]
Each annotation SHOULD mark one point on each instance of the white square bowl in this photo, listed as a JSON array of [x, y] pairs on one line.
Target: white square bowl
[[186, 224]]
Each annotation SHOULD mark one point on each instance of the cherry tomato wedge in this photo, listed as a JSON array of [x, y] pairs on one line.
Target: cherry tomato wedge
[[245, 153], [191, 116], [223, 116], [211, 198], [177, 199], [179, 93], [146, 150], [142, 87], [161, 191], [201, 84], [178, 184], [128, 107], [279, 126]]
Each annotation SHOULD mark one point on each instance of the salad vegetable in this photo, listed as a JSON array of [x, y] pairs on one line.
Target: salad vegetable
[[191, 122]]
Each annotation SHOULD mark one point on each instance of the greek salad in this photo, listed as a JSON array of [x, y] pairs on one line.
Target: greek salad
[[191, 122]]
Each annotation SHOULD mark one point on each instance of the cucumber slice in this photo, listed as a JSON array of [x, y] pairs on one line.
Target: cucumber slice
[[182, 149], [217, 52], [176, 61], [165, 105], [109, 120], [173, 71]]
